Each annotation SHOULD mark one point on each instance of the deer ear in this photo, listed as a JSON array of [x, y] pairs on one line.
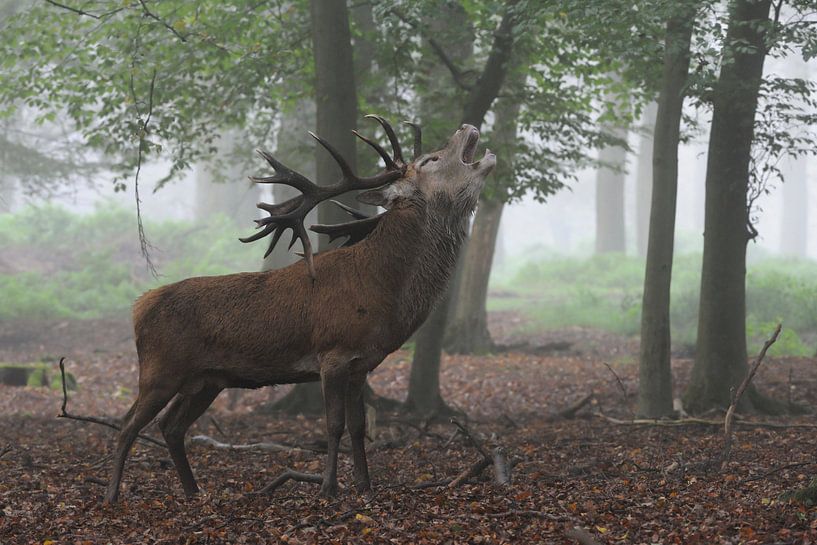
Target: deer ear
[[386, 196], [375, 197]]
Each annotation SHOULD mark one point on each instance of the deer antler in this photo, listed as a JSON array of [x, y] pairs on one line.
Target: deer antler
[[291, 213]]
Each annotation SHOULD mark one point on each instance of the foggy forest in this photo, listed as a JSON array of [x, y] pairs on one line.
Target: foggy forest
[[408, 271]]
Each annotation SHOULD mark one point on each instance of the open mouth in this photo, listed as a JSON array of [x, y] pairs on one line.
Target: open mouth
[[470, 147]]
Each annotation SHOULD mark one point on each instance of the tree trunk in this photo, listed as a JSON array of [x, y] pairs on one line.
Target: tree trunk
[[225, 189], [655, 375], [468, 331], [336, 112], [610, 233], [429, 340], [644, 179], [720, 362]]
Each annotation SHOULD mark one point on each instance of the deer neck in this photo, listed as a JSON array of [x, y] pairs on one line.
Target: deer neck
[[445, 230], [412, 254]]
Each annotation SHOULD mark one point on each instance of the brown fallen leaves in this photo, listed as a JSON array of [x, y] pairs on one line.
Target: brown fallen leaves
[[619, 484]]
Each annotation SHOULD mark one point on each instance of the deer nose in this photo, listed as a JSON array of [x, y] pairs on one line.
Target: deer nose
[[466, 127]]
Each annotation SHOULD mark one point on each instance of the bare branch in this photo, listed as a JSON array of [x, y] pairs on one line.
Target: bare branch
[[92, 419], [457, 74], [144, 245], [730, 413], [82, 12]]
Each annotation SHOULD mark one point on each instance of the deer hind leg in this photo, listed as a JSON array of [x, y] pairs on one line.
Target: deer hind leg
[[149, 402], [183, 411], [334, 382], [356, 422]]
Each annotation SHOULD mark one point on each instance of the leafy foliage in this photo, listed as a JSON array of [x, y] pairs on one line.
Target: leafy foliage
[[86, 266], [605, 292]]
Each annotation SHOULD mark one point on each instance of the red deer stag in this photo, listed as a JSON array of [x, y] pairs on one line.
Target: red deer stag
[[333, 318]]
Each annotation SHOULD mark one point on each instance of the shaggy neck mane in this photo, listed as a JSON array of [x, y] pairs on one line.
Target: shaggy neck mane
[[416, 246]]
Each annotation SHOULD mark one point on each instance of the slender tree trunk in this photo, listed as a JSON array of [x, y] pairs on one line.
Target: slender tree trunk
[[610, 231], [336, 112], [720, 362], [424, 397], [655, 375], [468, 331], [644, 179], [429, 340]]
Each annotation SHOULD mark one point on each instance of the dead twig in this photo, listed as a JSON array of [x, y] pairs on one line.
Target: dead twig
[[570, 411], [777, 470], [730, 413], [92, 419], [467, 434], [624, 394], [290, 475], [701, 422], [471, 472], [265, 446]]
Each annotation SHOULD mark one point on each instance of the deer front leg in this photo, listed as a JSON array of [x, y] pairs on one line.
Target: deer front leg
[[356, 422], [334, 382]]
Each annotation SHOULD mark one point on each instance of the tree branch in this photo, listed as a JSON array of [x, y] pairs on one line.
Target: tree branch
[[457, 74], [730, 413], [161, 21], [92, 419]]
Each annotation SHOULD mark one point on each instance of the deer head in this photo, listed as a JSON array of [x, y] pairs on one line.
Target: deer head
[[448, 178]]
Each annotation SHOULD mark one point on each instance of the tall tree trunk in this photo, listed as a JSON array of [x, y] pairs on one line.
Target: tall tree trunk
[[644, 179], [425, 367], [225, 190], [336, 113], [468, 331], [655, 375], [720, 361], [610, 231]]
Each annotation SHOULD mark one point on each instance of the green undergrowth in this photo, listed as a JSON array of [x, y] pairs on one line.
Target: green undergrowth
[[58, 264], [604, 292]]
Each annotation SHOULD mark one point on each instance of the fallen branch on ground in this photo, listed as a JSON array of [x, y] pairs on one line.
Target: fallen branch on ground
[[570, 411], [93, 419], [700, 422], [292, 475], [730, 413], [497, 458], [266, 446]]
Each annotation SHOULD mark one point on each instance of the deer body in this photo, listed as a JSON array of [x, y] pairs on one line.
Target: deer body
[[333, 320]]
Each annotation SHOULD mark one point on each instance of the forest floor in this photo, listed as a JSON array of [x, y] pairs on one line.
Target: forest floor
[[620, 483]]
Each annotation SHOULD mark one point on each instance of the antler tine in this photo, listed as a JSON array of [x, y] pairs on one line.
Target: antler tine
[[344, 166], [390, 164], [357, 214], [291, 213], [418, 138], [395, 144]]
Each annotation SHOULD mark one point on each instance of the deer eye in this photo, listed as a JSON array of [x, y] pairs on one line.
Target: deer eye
[[428, 160]]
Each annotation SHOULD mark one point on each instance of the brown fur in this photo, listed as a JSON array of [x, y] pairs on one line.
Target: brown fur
[[201, 335]]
